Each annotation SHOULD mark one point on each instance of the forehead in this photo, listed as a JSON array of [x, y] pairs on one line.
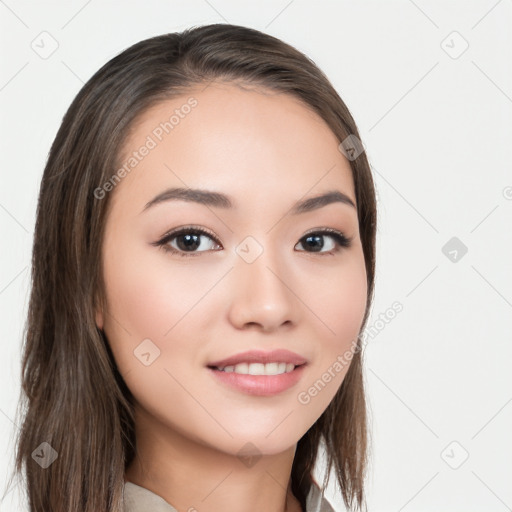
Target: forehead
[[247, 142]]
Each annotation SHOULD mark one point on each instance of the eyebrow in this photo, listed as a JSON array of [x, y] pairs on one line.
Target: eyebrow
[[218, 200]]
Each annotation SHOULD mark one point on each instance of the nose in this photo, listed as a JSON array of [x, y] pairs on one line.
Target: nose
[[262, 296]]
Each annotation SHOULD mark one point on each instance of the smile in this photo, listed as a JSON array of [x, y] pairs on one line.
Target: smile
[[238, 378], [259, 368]]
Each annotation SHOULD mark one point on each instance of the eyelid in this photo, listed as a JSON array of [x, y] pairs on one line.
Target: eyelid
[[325, 230], [191, 228]]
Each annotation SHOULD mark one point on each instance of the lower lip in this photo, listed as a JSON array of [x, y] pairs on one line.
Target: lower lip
[[260, 385]]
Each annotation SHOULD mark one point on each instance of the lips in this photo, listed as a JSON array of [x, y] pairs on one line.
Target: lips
[[259, 385], [260, 356]]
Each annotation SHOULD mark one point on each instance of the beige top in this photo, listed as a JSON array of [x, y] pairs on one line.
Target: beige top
[[140, 499]]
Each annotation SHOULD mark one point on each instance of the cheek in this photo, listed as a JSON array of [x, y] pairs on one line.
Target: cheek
[[151, 331], [340, 305], [150, 293], [338, 301], [344, 305], [148, 299]]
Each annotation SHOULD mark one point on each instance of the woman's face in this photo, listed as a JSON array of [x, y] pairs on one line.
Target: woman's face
[[258, 281]]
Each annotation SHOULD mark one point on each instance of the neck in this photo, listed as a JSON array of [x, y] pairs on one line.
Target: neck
[[190, 475]]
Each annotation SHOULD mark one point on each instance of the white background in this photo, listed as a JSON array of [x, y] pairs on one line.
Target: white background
[[437, 129]]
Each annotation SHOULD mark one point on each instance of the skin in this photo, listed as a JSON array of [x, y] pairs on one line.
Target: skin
[[266, 151]]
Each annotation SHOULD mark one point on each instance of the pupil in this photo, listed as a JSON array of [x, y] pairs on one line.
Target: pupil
[[318, 244], [192, 241]]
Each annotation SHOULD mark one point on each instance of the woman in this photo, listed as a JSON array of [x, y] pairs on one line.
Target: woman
[[203, 268]]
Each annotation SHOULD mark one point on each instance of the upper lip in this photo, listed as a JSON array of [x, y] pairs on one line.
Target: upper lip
[[260, 356]]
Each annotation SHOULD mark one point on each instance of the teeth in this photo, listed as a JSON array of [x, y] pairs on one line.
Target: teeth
[[259, 368]]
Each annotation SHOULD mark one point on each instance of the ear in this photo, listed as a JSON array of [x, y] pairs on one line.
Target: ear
[[99, 319], [98, 312]]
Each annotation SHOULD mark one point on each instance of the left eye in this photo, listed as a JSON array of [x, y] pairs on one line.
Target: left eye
[[188, 241], [314, 240]]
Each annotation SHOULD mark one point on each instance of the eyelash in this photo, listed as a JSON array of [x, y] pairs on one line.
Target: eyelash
[[341, 240]]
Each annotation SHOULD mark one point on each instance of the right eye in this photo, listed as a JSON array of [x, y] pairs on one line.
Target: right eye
[[188, 239]]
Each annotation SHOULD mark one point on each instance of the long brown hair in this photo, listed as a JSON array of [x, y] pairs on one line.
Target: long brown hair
[[73, 397]]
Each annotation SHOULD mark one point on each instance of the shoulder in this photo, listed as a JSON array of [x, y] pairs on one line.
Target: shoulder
[[316, 501], [140, 499]]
